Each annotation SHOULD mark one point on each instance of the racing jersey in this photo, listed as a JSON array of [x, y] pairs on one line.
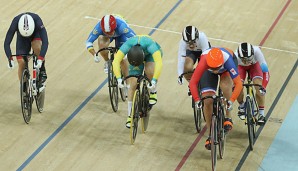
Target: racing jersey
[[228, 66], [150, 48], [201, 44], [122, 29], [39, 29]]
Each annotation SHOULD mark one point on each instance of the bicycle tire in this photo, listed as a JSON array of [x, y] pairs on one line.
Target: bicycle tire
[[197, 113], [123, 93], [26, 100], [135, 116], [249, 122], [221, 130], [113, 87], [213, 140], [255, 111], [39, 100], [145, 108]]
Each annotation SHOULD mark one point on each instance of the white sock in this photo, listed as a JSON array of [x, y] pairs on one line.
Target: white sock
[[129, 105]]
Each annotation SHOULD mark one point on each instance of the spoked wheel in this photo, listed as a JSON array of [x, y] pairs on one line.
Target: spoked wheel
[[113, 87], [145, 108], [213, 142], [135, 115], [26, 100], [250, 123], [221, 134], [39, 99], [197, 113]]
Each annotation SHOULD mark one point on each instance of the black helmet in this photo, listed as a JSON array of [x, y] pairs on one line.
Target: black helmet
[[190, 33], [245, 51], [136, 55]]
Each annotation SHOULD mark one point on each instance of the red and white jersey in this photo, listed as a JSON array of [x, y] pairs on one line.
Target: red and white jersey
[[201, 44], [257, 57]]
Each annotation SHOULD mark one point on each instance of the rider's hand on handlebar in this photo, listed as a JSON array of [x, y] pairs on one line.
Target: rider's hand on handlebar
[[230, 105], [39, 63], [11, 64], [180, 80], [153, 85], [96, 58], [198, 104], [120, 83], [262, 91]]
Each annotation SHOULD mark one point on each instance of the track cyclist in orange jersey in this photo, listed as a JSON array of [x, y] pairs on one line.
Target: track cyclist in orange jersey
[[109, 28], [251, 59], [31, 33], [143, 54], [216, 62], [191, 46]]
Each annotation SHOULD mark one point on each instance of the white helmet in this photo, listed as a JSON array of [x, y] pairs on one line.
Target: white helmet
[[26, 25]]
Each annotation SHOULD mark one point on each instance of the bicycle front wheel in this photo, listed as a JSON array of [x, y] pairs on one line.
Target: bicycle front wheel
[[113, 87], [250, 122], [135, 115], [221, 131], [39, 99], [213, 141], [145, 108], [197, 113], [26, 100]]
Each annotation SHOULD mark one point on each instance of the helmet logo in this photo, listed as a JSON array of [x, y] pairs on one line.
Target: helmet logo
[[107, 27], [26, 25]]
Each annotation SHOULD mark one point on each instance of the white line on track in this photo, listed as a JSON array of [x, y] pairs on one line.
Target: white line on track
[[221, 40]]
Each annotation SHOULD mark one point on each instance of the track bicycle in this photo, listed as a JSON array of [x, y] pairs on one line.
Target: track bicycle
[[30, 87], [251, 111], [140, 106], [217, 132], [112, 80], [197, 113]]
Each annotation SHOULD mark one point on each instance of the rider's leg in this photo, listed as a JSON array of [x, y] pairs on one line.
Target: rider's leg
[[149, 70], [104, 42], [188, 66], [226, 85]]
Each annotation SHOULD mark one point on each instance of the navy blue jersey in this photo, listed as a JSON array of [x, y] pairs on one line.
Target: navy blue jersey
[[39, 32]]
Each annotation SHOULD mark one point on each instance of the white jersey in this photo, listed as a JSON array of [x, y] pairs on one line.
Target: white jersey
[[201, 44], [257, 57]]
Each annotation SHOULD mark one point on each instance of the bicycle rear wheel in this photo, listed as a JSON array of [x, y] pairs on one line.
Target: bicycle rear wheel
[[26, 100], [145, 108], [221, 131], [250, 122], [135, 116], [113, 87], [197, 113], [213, 141]]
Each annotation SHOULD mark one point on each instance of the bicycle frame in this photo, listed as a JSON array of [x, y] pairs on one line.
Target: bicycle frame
[[217, 133], [251, 110], [30, 87], [112, 81], [140, 106], [198, 113]]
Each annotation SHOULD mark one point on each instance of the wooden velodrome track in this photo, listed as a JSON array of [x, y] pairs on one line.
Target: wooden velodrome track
[[78, 129]]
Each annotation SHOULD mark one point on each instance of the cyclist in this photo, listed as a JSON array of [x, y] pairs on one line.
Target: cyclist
[[191, 46], [109, 28], [31, 33], [251, 59], [217, 62], [143, 53]]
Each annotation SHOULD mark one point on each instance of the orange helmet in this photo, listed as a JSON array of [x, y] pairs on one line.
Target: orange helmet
[[215, 58]]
